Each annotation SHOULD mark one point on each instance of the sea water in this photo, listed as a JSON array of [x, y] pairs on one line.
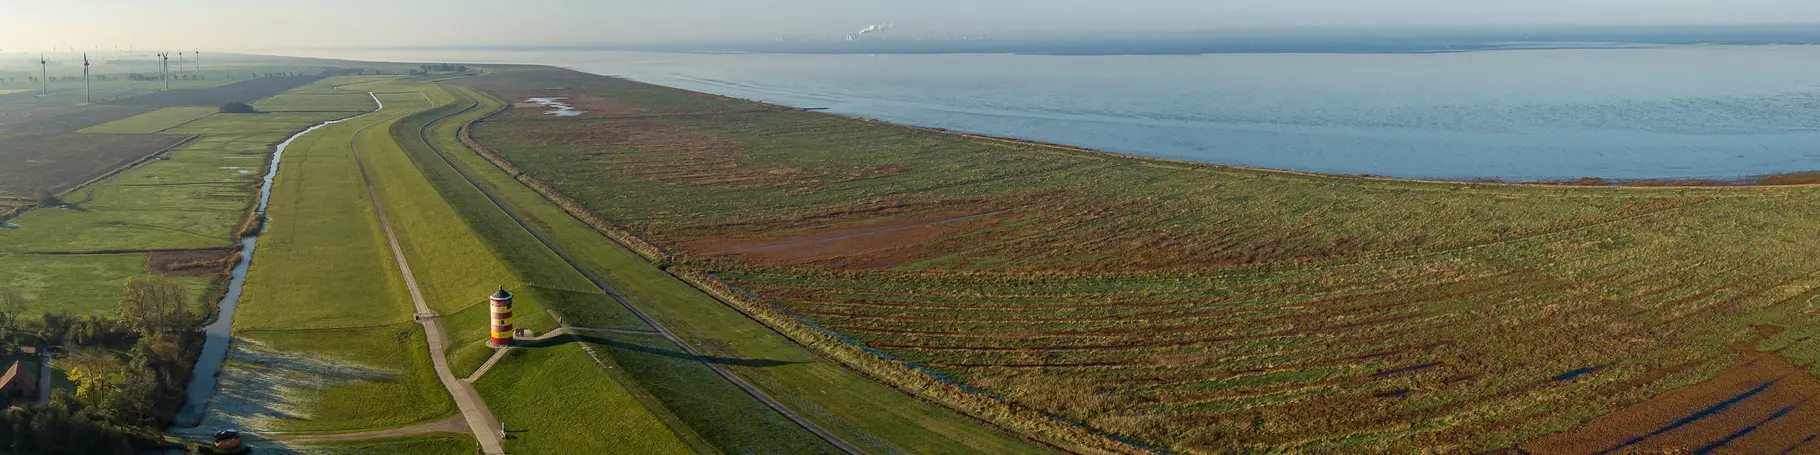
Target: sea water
[[1544, 114]]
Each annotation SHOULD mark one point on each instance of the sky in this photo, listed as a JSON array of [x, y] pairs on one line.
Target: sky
[[250, 25]]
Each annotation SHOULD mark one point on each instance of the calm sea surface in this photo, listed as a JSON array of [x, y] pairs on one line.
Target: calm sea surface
[[1708, 112]]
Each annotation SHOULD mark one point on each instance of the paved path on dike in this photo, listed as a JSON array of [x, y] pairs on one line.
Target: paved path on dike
[[480, 420]]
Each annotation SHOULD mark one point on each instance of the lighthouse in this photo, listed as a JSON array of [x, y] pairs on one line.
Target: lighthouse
[[502, 318]]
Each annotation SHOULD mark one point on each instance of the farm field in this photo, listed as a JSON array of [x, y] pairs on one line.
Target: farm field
[[152, 122], [1206, 309], [190, 200], [245, 91], [56, 163], [111, 81], [36, 120]]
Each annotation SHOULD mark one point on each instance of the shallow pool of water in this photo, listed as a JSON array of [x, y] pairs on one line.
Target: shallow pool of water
[[557, 107]]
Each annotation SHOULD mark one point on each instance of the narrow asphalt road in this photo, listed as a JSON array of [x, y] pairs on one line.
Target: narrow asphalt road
[[760, 395], [473, 409]]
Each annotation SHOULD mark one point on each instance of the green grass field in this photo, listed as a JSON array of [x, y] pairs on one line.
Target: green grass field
[[194, 197], [436, 444], [553, 400], [1191, 307]]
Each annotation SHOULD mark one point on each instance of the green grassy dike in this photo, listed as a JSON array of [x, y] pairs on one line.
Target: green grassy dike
[[325, 323], [700, 406], [551, 399], [326, 341], [866, 413]]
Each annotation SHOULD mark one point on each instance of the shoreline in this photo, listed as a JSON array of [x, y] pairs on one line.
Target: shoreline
[[1806, 177], [1797, 178]]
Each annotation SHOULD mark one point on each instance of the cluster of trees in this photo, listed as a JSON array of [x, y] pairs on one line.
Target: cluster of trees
[[237, 107], [117, 398], [159, 77], [442, 67], [436, 68], [63, 427]]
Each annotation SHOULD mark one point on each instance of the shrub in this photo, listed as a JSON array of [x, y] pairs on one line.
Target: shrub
[[238, 108]]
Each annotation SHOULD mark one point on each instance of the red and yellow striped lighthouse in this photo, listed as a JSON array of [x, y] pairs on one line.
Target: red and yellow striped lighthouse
[[502, 318]]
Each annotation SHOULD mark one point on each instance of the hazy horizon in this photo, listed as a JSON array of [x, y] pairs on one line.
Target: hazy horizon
[[241, 26]]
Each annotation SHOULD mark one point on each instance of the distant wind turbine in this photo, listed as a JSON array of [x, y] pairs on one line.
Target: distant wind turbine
[[85, 86], [44, 83], [164, 68]]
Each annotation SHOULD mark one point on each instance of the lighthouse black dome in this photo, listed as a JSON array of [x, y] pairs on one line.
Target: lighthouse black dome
[[502, 294]]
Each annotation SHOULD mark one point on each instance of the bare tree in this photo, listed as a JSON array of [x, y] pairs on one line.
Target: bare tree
[[154, 305], [12, 306]]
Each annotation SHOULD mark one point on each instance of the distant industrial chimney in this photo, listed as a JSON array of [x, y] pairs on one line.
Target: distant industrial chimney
[[502, 318]]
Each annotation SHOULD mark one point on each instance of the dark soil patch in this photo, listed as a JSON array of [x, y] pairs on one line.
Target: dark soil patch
[[191, 263]]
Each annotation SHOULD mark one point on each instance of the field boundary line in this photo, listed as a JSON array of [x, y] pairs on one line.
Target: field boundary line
[[108, 252], [760, 395], [473, 408], [447, 425], [185, 122]]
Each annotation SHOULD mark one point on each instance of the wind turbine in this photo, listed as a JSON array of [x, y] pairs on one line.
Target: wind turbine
[[85, 86], [198, 53], [164, 68], [180, 62], [44, 83]]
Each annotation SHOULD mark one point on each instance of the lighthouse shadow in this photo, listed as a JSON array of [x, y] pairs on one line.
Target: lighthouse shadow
[[672, 353]]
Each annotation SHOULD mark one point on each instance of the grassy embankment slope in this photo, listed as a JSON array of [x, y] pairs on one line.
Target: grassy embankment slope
[[326, 321], [1197, 308], [438, 444], [698, 405], [325, 340], [861, 411], [552, 397]]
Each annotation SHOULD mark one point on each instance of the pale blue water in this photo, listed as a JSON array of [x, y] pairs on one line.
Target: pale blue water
[[1675, 112]]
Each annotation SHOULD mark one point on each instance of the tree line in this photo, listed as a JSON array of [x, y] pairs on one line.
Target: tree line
[[120, 402]]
